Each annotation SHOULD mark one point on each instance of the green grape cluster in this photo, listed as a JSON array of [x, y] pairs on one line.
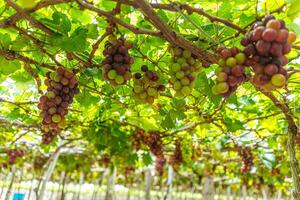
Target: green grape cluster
[[187, 150], [184, 70], [146, 87]]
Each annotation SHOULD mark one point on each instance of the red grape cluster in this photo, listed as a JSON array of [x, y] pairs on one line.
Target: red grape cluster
[[39, 162], [184, 70], [105, 160], [266, 46], [151, 139], [247, 158], [62, 86], [154, 142], [159, 165], [128, 171], [117, 61], [176, 159], [146, 87], [13, 154], [231, 74], [137, 139]]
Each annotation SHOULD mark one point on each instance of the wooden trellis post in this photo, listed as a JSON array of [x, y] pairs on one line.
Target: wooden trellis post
[[13, 175], [148, 181]]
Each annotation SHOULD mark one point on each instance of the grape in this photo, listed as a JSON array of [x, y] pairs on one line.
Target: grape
[[222, 87], [230, 62], [185, 90], [282, 36], [240, 58], [267, 19], [270, 69], [263, 47], [292, 37], [112, 74], [286, 48], [274, 24], [269, 35], [278, 80], [186, 54], [237, 70], [232, 82], [222, 77], [226, 53], [276, 49], [257, 33]]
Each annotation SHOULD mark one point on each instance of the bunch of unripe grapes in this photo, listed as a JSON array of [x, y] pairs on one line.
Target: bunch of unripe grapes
[[267, 45], [117, 62], [184, 70], [14, 154], [247, 158], [146, 87], [62, 86], [176, 158], [231, 72]]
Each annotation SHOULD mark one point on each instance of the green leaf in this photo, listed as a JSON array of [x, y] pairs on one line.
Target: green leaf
[[60, 22], [8, 66], [293, 10], [233, 125], [168, 122], [86, 99], [5, 41], [92, 31], [147, 160]]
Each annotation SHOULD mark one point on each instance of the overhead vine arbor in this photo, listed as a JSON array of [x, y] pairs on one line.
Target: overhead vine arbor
[[208, 87]]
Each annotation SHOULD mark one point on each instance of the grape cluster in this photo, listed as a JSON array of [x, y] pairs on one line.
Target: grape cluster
[[117, 62], [146, 87], [62, 86], [231, 74], [187, 149], [247, 158], [153, 140], [39, 162], [13, 154], [176, 159], [159, 165], [137, 139], [184, 70], [128, 171], [105, 160], [266, 46], [196, 152]]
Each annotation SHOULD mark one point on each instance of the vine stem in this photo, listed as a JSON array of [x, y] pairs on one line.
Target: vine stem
[[293, 130], [294, 166]]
